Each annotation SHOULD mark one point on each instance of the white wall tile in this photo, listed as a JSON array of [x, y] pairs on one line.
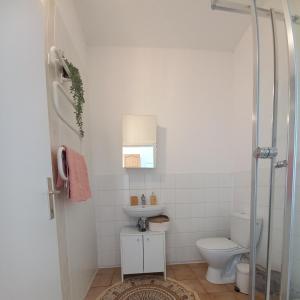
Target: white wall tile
[[183, 211], [198, 210], [167, 181], [105, 213], [167, 196], [212, 180], [198, 195], [152, 181], [136, 180], [226, 194], [226, 180], [183, 196], [110, 182], [212, 194], [105, 228]]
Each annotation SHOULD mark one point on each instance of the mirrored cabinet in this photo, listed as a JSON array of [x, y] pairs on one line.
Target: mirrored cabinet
[[139, 141]]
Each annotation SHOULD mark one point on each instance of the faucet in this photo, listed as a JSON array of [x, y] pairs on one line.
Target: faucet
[[143, 199]]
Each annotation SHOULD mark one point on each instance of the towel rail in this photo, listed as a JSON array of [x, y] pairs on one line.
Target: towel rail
[[56, 57], [56, 87], [60, 163]]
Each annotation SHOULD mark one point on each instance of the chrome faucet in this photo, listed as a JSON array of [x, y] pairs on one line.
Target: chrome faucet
[[143, 199]]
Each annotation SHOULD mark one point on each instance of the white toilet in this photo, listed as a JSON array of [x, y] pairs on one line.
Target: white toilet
[[223, 254]]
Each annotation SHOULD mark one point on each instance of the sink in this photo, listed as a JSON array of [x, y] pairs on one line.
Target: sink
[[144, 211]]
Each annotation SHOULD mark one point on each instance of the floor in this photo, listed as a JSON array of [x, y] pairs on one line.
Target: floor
[[191, 275]]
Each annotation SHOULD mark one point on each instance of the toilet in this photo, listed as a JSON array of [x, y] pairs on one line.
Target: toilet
[[223, 254]]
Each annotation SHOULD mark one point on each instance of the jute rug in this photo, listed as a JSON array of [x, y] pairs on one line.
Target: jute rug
[[148, 288]]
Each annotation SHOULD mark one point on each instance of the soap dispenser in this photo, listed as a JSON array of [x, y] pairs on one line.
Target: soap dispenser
[[143, 199]]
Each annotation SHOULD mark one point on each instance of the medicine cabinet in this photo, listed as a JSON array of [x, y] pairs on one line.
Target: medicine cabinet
[[139, 141]]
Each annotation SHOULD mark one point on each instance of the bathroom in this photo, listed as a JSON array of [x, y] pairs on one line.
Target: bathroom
[[219, 79]]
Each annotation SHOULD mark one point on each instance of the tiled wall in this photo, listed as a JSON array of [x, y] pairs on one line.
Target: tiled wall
[[198, 205]]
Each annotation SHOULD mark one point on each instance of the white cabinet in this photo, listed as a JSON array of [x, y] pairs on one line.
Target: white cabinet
[[132, 254], [154, 248], [142, 252]]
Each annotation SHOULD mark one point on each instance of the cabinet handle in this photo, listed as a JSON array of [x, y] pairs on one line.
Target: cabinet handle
[[137, 239], [148, 239]]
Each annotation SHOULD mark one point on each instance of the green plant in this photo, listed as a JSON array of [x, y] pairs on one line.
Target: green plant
[[77, 92]]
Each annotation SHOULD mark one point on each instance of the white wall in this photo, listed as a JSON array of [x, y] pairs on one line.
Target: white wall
[[76, 221], [190, 92]]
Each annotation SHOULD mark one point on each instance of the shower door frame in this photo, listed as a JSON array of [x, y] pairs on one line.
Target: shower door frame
[[289, 205]]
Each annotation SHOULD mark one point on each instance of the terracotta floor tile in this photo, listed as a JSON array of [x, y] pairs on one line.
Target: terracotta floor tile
[[183, 272], [94, 293], [170, 272], [106, 271], [103, 278], [223, 296], [198, 266], [213, 288], [241, 296], [231, 287], [259, 296], [199, 271], [205, 297], [194, 285], [116, 276]]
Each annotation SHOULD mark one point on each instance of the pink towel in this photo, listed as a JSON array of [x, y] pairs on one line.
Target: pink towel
[[79, 187]]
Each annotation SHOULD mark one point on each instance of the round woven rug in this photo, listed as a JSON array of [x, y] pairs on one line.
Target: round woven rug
[[148, 288]]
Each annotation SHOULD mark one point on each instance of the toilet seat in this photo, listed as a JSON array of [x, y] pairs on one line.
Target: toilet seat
[[217, 244]]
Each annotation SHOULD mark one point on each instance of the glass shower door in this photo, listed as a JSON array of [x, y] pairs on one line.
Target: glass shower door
[[275, 187], [276, 261], [274, 269]]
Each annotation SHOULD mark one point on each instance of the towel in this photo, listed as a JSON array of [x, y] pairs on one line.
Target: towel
[[78, 187]]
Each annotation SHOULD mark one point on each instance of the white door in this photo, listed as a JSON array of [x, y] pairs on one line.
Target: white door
[[132, 254], [29, 264], [154, 253]]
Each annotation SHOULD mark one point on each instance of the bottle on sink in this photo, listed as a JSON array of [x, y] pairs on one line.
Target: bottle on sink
[[153, 199]]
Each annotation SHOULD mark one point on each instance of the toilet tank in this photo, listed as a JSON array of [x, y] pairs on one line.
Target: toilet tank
[[240, 229]]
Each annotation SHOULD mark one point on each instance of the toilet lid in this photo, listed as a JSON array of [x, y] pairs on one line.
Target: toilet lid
[[217, 244]]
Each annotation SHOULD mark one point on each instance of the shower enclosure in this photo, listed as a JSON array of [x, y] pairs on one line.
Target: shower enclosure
[[275, 180]]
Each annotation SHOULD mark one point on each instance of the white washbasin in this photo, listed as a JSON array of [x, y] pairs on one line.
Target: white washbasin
[[145, 211]]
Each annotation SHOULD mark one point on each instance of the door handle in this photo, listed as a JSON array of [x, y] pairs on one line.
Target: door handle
[[281, 164], [51, 193]]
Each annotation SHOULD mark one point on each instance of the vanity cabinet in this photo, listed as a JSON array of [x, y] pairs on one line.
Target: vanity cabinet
[[142, 252]]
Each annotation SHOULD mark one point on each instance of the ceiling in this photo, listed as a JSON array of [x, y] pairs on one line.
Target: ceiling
[[159, 23]]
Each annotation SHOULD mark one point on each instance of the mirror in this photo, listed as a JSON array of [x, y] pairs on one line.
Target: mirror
[[139, 141]]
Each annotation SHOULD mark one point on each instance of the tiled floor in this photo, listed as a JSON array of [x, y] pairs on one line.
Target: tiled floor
[[192, 275]]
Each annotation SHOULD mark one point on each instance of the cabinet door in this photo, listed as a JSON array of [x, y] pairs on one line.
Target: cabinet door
[[132, 254], [154, 253]]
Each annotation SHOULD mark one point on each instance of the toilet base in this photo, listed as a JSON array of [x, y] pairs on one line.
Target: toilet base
[[226, 275], [217, 276]]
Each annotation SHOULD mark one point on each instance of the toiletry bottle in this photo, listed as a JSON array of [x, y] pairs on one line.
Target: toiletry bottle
[[143, 199], [134, 200], [153, 199]]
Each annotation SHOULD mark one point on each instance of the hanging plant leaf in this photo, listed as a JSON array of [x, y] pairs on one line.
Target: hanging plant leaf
[[77, 92]]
